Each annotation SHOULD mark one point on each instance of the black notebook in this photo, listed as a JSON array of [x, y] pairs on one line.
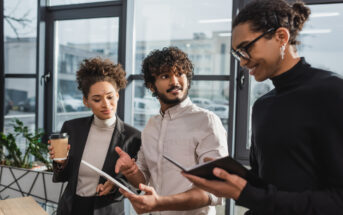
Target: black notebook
[[205, 170]]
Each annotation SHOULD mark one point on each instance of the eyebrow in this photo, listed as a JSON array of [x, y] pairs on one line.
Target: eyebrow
[[100, 95], [242, 44]]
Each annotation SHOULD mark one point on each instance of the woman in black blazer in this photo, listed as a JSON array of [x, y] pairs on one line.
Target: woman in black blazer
[[93, 139]]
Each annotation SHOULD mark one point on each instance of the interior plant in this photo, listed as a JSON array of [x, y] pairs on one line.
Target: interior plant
[[34, 146]]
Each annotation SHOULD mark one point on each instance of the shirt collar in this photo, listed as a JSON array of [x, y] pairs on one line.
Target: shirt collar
[[172, 112], [105, 123]]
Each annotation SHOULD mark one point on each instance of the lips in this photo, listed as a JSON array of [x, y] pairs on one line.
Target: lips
[[174, 89], [252, 69], [106, 111]]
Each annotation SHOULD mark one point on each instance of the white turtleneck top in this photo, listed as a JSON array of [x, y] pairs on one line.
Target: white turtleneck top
[[95, 151]]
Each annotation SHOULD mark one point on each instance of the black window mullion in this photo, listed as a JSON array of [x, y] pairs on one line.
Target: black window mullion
[[2, 69], [122, 54], [85, 11]]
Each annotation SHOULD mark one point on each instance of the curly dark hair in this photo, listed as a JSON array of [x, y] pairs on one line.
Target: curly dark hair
[[165, 60], [93, 70], [266, 14]]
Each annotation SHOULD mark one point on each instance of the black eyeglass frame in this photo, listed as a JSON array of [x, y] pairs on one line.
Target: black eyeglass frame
[[238, 53]]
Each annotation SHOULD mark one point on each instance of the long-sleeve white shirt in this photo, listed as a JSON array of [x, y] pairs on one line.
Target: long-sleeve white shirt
[[187, 134]]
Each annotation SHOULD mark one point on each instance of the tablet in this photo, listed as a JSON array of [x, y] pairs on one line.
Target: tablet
[[205, 170], [107, 176]]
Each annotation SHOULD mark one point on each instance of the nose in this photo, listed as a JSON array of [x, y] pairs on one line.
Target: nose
[[105, 103], [243, 62], [173, 80]]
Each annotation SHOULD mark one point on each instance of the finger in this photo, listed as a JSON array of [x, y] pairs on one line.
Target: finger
[[105, 190], [128, 195], [222, 174], [207, 159], [119, 151], [98, 188], [68, 147], [60, 162], [49, 141], [118, 166], [146, 189]]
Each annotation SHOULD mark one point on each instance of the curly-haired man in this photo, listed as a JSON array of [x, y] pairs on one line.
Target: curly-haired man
[[182, 131]]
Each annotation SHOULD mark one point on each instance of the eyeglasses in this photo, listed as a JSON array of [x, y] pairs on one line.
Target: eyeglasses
[[243, 51]]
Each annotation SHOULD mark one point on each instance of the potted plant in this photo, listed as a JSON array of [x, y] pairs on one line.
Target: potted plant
[[17, 177], [34, 147]]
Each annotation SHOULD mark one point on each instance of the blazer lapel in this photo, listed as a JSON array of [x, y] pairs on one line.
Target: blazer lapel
[[83, 132], [118, 138]]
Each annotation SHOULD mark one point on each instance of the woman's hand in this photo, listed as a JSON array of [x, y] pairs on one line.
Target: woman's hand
[[231, 187], [104, 189], [52, 153]]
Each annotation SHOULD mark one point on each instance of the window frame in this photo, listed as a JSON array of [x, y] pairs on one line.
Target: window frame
[[72, 12]]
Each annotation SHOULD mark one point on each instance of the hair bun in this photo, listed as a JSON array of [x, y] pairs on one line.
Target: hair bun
[[301, 14]]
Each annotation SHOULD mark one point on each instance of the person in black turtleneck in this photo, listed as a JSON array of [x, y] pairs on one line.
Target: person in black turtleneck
[[297, 128]]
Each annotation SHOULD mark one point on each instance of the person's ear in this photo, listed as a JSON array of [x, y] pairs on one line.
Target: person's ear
[[117, 95], [151, 88], [85, 102], [282, 35]]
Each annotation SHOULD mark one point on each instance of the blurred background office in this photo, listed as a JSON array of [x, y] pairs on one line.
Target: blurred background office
[[44, 42]]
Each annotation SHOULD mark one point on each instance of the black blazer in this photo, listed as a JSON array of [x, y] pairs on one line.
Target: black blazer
[[124, 136]]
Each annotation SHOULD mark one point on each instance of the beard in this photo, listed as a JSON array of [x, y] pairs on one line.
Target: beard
[[163, 98]]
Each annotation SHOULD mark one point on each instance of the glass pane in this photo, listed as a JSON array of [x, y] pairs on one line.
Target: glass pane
[[319, 42], [20, 101], [144, 105], [20, 30], [66, 2], [211, 95], [238, 210], [76, 40], [201, 28]]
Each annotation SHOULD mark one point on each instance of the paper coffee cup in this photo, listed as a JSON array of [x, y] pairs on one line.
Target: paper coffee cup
[[59, 141]]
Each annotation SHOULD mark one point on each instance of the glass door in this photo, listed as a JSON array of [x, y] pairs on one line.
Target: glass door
[[75, 33], [76, 40]]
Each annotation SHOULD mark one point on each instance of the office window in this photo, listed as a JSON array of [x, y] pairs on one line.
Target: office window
[[199, 27], [20, 35], [319, 38], [76, 40], [20, 101], [67, 2], [20, 30]]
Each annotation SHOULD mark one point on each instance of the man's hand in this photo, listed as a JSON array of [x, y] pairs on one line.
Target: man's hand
[[52, 153], [104, 189], [125, 164], [143, 203], [230, 188]]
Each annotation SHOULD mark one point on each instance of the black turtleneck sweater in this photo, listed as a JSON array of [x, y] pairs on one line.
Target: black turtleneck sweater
[[297, 145]]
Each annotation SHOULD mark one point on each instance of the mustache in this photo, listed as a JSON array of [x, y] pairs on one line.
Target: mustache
[[173, 88]]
